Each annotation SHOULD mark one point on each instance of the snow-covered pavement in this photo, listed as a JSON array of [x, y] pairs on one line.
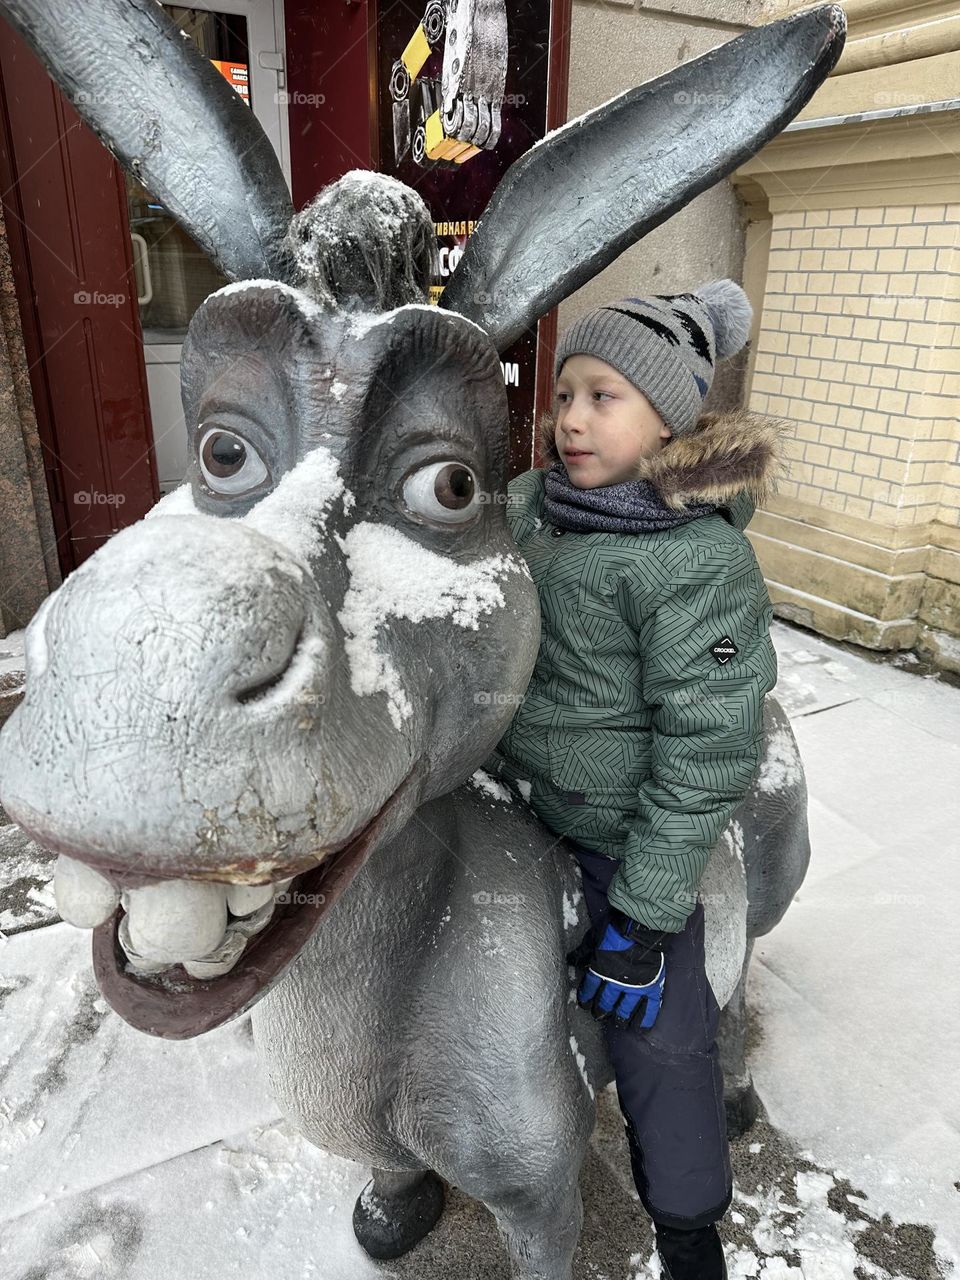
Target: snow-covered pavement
[[123, 1156], [856, 991]]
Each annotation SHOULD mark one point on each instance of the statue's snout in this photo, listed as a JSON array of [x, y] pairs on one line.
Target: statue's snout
[[178, 665], [178, 616]]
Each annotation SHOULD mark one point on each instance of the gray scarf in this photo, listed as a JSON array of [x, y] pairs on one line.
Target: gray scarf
[[632, 506]]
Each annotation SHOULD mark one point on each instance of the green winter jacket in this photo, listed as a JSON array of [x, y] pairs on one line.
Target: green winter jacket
[[640, 730]]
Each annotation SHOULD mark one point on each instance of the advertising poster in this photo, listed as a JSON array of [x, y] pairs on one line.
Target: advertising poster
[[460, 96], [237, 74]]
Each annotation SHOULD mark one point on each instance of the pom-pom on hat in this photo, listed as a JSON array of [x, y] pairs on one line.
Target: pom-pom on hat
[[667, 345]]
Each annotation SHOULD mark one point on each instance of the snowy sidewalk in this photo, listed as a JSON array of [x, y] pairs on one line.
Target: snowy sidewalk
[[856, 991], [130, 1158]]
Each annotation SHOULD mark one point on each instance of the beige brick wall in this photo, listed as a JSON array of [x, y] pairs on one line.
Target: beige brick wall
[[853, 264], [858, 347]]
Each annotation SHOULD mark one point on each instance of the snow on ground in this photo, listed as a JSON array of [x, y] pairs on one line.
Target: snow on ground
[[261, 1203], [84, 1098], [855, 991], [26, 881], [129, 1157]]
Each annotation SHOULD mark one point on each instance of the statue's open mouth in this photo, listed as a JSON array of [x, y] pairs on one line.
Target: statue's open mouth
[[172, 1004]]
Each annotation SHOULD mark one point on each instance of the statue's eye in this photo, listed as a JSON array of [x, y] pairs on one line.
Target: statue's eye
[[443, 491], [230, 464]]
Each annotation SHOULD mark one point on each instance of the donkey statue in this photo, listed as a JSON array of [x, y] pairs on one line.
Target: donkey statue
[[255, 721]]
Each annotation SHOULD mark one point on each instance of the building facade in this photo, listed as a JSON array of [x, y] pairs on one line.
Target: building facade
[[853, 265], [845, 231]]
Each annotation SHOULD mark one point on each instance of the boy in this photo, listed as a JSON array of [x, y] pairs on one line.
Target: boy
[[641, 728]]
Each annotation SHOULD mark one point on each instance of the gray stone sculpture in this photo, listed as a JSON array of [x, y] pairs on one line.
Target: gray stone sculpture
[[255, 721]]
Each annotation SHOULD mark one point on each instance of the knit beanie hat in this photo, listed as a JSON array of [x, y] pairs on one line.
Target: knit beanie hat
[[666, 345]]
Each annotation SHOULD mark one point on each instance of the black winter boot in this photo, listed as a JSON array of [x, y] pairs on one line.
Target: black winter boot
[[691, 1255]]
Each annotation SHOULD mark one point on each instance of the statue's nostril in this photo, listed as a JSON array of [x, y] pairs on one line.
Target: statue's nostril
[[265, 681]]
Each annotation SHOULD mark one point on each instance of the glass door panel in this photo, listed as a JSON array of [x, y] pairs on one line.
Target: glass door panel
[[173, 274]]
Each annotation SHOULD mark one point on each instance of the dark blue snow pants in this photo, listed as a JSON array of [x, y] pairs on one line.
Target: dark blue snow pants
[[669, 1081]]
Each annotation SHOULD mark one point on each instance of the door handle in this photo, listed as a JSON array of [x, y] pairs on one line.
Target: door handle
[[144, 260], [273, 61]]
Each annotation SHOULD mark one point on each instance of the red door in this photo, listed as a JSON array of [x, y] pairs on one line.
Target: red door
[[64, 203]]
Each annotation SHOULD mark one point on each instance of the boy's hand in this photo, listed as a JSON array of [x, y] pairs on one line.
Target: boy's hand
[[627, 971]]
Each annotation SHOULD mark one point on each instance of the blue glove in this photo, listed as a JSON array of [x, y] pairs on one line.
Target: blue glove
[[627, 971]]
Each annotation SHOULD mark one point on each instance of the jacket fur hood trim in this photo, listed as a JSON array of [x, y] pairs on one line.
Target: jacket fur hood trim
[[725, 454]]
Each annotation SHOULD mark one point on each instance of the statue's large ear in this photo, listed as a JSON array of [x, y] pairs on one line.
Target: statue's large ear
[[590, 189], [171, 119]]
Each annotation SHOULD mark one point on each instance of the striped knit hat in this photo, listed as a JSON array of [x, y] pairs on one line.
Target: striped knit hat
[[666, 345]]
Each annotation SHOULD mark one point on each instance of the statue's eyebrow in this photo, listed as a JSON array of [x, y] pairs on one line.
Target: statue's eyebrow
[[442, 429], [410, 429], [229, 406], [443, 432], [252, 382]]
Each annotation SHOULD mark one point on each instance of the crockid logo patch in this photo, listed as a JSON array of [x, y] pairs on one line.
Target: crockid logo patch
[[723, 650]]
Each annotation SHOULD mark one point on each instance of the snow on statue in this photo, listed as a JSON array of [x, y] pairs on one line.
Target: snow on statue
[[255, 721]]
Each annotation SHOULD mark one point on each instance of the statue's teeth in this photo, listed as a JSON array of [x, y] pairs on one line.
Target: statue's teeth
[[172, 921], [221, 960], [176, 920], [245, 899], [140, 964], [239, 932], [84, 897]]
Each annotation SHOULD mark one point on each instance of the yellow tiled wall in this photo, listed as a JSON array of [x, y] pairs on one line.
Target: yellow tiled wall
[[858, 346]]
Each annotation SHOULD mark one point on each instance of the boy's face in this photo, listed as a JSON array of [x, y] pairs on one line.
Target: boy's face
[[604, 424]]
